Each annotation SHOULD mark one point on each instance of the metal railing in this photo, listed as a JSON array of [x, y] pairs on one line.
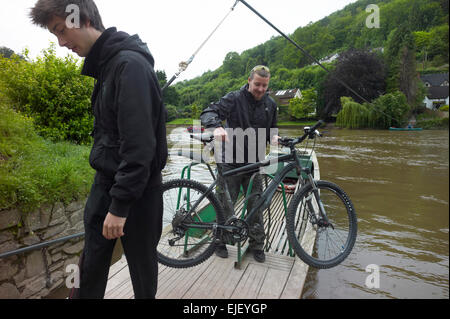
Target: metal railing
[[40, 245]]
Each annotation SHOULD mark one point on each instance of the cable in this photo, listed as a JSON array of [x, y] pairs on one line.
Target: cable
[[184, 64]]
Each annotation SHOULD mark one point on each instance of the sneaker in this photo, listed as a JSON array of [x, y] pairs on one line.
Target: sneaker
[[221, 251], [259, 255]]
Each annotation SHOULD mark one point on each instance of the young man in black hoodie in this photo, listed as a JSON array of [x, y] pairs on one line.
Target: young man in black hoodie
[[130, 147]]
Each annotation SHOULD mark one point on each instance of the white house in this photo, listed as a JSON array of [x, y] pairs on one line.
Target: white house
[[438, 90]]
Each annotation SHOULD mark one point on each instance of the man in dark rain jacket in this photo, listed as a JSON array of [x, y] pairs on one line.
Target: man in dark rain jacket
[[129, 151], [251, 117]]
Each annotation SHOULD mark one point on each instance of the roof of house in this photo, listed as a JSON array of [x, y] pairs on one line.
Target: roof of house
[[438, 92], [284, 94], [435, 79]]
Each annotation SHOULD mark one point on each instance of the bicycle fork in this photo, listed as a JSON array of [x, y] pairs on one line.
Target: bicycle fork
[[321, 218]]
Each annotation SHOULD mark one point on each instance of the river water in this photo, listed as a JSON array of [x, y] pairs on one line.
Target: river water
[[399, 185]]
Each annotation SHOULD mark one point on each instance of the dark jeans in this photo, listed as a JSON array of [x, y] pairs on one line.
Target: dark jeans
[[142, 230], [228, 200]]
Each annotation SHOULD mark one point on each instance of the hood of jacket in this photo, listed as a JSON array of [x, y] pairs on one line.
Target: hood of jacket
[[108, 45]]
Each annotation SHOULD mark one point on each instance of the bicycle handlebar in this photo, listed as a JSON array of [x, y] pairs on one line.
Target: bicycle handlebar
[[309, 131]]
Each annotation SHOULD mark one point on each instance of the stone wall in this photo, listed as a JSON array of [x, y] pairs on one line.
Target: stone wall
[[38, 273]]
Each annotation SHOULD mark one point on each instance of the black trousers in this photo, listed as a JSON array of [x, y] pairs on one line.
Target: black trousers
[[228, 196], [142, 230]]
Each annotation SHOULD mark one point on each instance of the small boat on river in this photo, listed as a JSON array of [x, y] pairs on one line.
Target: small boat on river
[[405, 129]]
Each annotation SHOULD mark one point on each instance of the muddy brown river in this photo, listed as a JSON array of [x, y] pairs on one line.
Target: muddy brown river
[[399, 185]]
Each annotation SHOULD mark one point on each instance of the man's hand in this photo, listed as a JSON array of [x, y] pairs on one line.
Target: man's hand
[[275, 140], [220, 134], [113, 226]]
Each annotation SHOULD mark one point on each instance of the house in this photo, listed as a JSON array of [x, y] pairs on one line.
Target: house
[[282, 97], [328, 59], [438, 90]]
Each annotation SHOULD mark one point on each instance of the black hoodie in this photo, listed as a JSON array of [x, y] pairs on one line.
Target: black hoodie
[[241, 110], [130, 146]]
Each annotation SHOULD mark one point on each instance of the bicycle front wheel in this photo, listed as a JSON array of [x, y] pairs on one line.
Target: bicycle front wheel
[[321, 242], [181, 246]]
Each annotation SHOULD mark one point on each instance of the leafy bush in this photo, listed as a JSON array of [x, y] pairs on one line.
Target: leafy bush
[[53, 92], [433, 123], [387, 110], [443, 108], [34, 171], [352, 115], [305, 106]]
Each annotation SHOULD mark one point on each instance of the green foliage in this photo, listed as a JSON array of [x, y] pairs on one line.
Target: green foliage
[[34, 171], [53, 92], [433, 119], [389, 110], [171, 112], [443, 108], [353, 115], [305, 106], [196, 111], [386, 111]]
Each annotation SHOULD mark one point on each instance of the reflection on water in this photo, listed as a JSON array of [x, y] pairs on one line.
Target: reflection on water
[[399, 184]]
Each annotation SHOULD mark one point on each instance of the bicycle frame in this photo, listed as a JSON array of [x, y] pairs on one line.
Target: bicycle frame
[[266, 197]]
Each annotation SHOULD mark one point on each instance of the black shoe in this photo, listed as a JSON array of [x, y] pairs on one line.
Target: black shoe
[[259, 255], [221, 251]]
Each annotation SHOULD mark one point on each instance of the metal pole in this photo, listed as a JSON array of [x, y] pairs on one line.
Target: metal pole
[[39, 246]]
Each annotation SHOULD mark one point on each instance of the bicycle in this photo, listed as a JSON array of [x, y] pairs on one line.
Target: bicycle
[[321, 221]]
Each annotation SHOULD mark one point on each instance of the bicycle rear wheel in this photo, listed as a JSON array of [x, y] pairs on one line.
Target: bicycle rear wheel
[[180, 246], [317, 243]]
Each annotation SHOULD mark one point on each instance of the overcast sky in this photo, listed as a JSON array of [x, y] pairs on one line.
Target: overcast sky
[[174, 29]]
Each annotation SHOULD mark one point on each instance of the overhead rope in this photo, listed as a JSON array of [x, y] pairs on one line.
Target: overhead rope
[[312, 58], [184, 64]]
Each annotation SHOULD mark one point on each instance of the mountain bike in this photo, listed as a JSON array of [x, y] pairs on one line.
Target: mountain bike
[[321, 221]]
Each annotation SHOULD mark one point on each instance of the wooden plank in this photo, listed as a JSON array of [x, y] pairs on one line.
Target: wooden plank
[[219, 281], [274, 283], [295, 281], [178, 281], [250, 283]]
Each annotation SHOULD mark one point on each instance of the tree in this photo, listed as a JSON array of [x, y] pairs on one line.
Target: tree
[[401, 59], [233, 64], [6, 52], [423, 41], [305, 106], [196, 111], [361, 70], [171, 112]]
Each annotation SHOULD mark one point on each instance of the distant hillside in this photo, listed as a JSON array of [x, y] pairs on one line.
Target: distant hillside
[[335, 33]]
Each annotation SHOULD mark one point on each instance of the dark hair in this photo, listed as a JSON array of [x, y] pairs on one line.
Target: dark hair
[[44, 11]]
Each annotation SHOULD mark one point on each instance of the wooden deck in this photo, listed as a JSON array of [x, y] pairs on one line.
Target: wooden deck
[[279, 277], [217, 278]]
